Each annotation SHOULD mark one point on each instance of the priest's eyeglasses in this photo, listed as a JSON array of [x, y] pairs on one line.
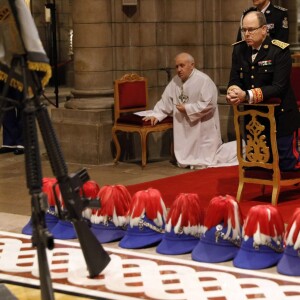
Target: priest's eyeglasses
[[250, 30]]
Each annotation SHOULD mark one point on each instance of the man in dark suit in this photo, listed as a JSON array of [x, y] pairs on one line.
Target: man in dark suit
[[260, 71], [277, 19]]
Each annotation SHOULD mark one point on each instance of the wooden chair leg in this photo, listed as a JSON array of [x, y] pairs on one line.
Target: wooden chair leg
[[275, 194], [117, 145], [239, 191], [144, 148]]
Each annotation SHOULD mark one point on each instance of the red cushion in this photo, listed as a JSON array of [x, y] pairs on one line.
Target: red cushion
[[267, 174], [132, 94], [137, 120]]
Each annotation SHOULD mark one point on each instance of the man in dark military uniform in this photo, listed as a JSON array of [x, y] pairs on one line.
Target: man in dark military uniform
[[260, 71], [277, 19]]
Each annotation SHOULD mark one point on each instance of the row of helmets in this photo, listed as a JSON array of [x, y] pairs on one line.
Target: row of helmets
[[218, 233]]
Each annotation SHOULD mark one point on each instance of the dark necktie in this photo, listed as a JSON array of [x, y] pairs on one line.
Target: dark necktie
[[253, 55]]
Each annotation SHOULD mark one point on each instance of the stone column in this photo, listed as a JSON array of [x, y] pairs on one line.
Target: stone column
[[93, 61], [84, 125]]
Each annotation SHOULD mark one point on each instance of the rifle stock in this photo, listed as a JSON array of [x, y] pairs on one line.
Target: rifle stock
[[95, 256]]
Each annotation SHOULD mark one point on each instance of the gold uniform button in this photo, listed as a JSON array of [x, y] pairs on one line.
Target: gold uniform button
[[252, 86], [282, 109], [252, 76], [252, 67]]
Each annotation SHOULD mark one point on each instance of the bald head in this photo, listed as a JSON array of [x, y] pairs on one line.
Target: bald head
[[184, 65], [185, 56], [259, 16]]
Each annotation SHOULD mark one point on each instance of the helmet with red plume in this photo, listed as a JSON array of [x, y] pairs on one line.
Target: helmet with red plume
[[184, 225], [262, 244], [109, 222], [289, 264], [222, 231], [147, 216]]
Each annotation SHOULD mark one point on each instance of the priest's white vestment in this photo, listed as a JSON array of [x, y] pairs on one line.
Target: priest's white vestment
[[197, 136]]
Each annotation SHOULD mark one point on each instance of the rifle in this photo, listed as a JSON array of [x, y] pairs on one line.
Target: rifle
[[96, 257], [33, 109]]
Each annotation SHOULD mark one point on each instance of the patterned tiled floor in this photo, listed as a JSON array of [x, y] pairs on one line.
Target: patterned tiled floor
[[140, 275]]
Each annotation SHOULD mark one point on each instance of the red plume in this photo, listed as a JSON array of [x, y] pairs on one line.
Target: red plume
[[264, 223], [114, 201], [292, 235], [150, 203], [224, 210], [47, 188], [216, 212], [90, 189], [187, 206], [186, 213]]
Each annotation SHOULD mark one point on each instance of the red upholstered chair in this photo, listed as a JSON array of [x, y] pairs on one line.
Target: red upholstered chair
[[258, 157], [131, 95]]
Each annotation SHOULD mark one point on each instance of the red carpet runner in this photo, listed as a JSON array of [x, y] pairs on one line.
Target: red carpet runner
[[212, 182]]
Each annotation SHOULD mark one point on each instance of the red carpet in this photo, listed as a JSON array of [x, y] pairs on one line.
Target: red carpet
[[212, 182]]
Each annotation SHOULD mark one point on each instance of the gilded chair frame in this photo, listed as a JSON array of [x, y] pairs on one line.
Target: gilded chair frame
[[254, 152]]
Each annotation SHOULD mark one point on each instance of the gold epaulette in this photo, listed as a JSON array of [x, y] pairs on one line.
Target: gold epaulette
[[237, 42], [280, 44], [281, 8]]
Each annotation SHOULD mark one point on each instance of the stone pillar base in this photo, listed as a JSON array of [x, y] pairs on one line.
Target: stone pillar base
[[84, 135]]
